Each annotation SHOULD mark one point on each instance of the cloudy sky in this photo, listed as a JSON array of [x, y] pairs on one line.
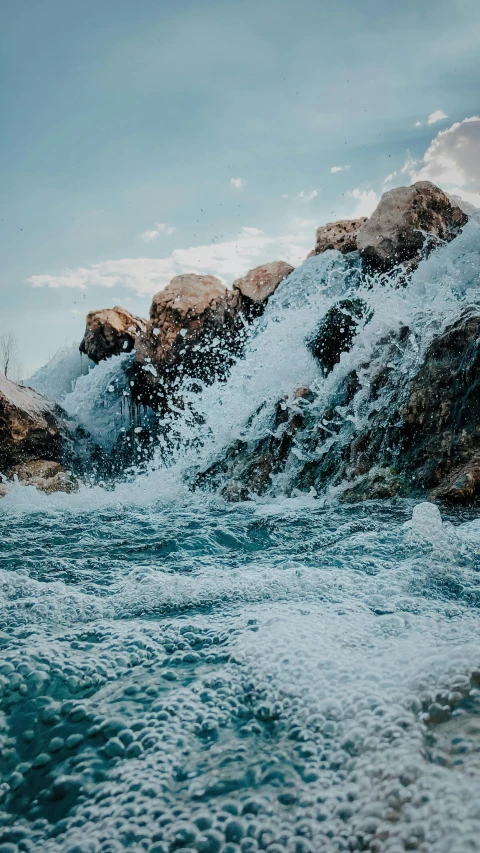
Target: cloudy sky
[[143, 138]]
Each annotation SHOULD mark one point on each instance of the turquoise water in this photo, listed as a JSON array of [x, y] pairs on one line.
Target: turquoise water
[[275, 676]]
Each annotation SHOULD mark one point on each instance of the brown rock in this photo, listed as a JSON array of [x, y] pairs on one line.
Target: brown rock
[[461, 486], [407, 224], [46, 476], [341, 235], [258, 284], [29, 425], [110, 331], [195, 329]]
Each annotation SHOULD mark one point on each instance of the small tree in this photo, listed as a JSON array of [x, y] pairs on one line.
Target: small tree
[[10, 356]]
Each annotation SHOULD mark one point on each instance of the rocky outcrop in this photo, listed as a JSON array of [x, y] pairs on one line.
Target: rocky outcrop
[[36, 431], [406, 225], [340, 235], [395, 434], [29, 426], [258, 285], [195, 330], [110, 331]]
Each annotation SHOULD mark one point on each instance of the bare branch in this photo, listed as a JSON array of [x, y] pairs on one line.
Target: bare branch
[[10, 356]]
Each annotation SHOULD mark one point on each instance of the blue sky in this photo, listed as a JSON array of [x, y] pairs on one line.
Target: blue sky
[[140, 138]]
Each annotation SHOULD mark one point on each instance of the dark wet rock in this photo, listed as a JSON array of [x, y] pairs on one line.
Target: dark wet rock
[[394, 432], [110, 331], [406, 225], [258, 285], [441, 416], [340, 235], [195, 331], [337, 331], [377, 484], [247, 467]]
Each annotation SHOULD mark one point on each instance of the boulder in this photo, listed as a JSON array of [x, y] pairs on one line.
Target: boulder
[[110, 331], [29, 426], [406, 225], [34, 428], [195, 330], [46, 476], [341, 235], [259, 284]]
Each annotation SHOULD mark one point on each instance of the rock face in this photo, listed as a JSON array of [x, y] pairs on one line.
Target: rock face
[[406, 225], [110, 331], [195, 329], [341, 235], [392, 435], [29, 426], [255, 288], [441, 417], [36, 431]]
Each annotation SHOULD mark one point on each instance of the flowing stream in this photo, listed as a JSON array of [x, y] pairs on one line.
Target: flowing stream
[[288, 674]]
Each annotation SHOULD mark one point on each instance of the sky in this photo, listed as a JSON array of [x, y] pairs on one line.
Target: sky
[[145, 138]]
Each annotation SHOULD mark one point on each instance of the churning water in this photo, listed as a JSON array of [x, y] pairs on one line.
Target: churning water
[[286, 674]]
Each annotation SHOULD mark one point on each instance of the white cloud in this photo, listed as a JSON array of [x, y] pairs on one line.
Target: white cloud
[[418, 124], [238, 183], [452, 160], [336, 169], [228, 260], [408, 167], [160, 228], [390, 178], [252, 232], [438, 115], [367, 201], [308, 196]]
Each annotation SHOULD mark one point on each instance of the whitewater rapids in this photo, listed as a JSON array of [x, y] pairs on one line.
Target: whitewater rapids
[[290, 675]]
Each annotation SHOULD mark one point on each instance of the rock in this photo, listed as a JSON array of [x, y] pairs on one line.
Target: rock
[[341, 235], [195, 330], [337, 331], [406, 225], [247, 467], [46, 476], [259, 284], [110, 331], [378, 484], [29, 426], [440, 436], [34, 428], [3, 490]]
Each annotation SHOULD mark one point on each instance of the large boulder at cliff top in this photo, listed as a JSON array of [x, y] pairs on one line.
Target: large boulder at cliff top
[[195, 330], [259, 284], [406, 225], [341, 235], [110, 331]]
